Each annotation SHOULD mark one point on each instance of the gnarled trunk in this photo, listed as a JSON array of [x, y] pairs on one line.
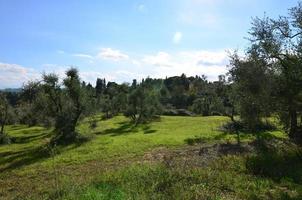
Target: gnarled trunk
[[2, 129], [3, 121], [293, 124]]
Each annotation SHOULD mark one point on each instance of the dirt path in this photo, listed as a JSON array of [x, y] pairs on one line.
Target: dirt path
[[195, 156]]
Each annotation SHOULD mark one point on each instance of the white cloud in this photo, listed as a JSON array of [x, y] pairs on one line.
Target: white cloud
[[12, 68], [81, 55], [161, 59], [177, 37], [157, 65], [59, 70], [209, 63], [112, 54], [13, 75], [125, 75], [91, 76], [120, 76], [135, 62], [207, 58]]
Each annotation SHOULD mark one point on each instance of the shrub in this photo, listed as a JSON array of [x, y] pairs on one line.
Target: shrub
[[276, 165]]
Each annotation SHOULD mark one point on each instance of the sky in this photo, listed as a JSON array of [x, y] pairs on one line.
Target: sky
[[121, 40]]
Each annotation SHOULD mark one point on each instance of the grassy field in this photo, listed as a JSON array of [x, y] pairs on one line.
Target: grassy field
[[112, 139], [125, 162]]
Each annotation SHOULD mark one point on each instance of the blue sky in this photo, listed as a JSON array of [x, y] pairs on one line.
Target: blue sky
[[125, 39]]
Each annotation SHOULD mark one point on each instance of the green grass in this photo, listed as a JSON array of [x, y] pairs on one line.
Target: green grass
[[113, 139], [114, 145], [226, 178]]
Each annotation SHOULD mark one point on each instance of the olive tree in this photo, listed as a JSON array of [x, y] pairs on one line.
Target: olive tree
[[67, 102], [143, 103], [4, 117], [279, 42], [251, 83]]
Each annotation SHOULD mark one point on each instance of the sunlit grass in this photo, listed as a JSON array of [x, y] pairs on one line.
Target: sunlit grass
[[117, 138], [113, 143]]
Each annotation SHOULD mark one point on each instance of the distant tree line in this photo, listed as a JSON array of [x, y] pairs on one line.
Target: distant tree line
[[61, 104], [265, 82]]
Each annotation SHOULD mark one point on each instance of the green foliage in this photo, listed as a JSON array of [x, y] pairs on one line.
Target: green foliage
[[106, 106], [265, 82], [100, 86], [277, 41], [252, 86], [143, 103], [66, 103], [207, 106], [31, 108], [284, 164], [200, 106], [113, 99], [5, 116]]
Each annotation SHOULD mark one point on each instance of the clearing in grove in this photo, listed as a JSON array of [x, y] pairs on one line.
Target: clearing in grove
[[170, 158]]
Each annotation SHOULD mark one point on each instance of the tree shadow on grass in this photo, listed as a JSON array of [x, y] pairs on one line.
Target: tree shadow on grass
[[124, 128], [127, 128], [276, 158], [10, 160], [17, 127], [13, 159], [11, 153], [23, 158], [277, 165], [224, 135], [147, 129], [27, 156], [30, 138]]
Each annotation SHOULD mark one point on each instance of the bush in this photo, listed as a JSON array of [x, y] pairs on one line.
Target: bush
[[232, 127], [5, 139], [239, 126], [195, 140], [277, 165], [177, 112], [93, 123]]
